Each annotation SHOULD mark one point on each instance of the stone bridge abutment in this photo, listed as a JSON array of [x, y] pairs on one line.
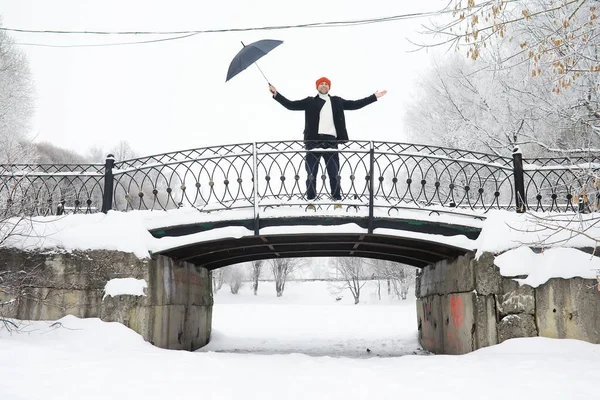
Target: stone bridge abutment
[[175, 311], [462, 304], [465, 304]]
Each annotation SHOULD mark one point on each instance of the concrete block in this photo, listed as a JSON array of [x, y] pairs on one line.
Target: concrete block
[[517, 301], [485, 322], [459, 322], [569, 308], [163, 326], [52, 304], [487, 276], [198, 327], [431, 329], [516, 326], [509, 285], [446, 277], [77, 270]]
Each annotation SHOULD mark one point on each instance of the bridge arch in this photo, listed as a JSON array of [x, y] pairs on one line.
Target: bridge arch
[[223, 252], [413, 242]]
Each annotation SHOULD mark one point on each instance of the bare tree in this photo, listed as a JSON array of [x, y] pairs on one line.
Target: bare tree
[[379, 269], [48, 153], [282, 268], [319, 268], [546, 104], [123, 151], [96, 154], [218, 278], [15, 285], [16, 111], [399, 277], [406, 278], [480, 106], [558, 37], [351, 271], [235, 278], [256, 267], [532, 81], [20, 276], [16, 104]]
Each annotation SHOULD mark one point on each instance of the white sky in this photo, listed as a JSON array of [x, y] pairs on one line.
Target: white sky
[[173, 96]]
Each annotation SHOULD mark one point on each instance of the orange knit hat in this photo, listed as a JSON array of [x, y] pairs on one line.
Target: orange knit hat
[[323, 79]]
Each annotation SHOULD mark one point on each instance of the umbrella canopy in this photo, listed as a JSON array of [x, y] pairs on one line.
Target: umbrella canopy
[[249, 55]]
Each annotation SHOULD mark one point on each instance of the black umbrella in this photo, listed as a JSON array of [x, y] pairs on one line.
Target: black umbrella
[[249, 55]]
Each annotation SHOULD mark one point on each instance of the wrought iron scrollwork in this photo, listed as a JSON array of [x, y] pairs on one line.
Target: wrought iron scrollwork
[[44, 189], [377, 175]]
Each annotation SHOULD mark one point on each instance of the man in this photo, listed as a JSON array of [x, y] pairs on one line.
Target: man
[[324, 126]]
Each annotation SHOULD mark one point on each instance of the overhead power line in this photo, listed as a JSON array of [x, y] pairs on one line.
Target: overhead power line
[[188, 33], [274, 27], [107, 44]]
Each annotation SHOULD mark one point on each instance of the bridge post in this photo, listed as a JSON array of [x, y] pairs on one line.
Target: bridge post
[[371, 186], [519, 180], [107, 196], [255, 189]]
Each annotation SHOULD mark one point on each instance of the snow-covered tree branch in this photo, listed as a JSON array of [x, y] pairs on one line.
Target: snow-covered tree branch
[[399, 277], [282, 269], [16, 104], [351, 273]]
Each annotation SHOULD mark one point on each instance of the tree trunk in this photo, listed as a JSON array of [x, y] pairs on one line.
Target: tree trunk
[[279, 286], [256, 266]]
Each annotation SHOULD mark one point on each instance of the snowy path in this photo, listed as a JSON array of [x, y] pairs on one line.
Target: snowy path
[[308, 320], [344, 330]]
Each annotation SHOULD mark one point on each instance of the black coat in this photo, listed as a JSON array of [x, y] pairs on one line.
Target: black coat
[[312, 112]]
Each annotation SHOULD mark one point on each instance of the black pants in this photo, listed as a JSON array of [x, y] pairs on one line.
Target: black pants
[[332, 164]]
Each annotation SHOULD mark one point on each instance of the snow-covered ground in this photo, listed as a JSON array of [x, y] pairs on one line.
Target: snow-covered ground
[[91, 359], [309, 320]]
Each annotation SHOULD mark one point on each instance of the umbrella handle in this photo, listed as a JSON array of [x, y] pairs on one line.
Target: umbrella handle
[[261, 72]]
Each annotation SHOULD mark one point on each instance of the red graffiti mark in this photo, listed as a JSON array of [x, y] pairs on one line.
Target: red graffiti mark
[[457, 310], [458, 319]]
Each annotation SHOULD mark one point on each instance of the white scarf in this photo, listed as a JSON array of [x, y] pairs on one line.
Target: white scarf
[[326, 126]]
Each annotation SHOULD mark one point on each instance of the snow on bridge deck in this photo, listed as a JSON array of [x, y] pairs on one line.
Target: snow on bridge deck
[[130, 231]]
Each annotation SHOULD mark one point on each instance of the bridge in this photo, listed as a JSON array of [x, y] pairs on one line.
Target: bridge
[[414, 204], [399, 201]]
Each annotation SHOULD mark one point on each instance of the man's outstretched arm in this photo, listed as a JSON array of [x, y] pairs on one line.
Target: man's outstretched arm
[[294, 105], [356, 104]]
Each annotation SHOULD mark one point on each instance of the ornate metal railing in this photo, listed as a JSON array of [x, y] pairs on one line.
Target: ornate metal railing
[[375, 175], [48, 189]]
